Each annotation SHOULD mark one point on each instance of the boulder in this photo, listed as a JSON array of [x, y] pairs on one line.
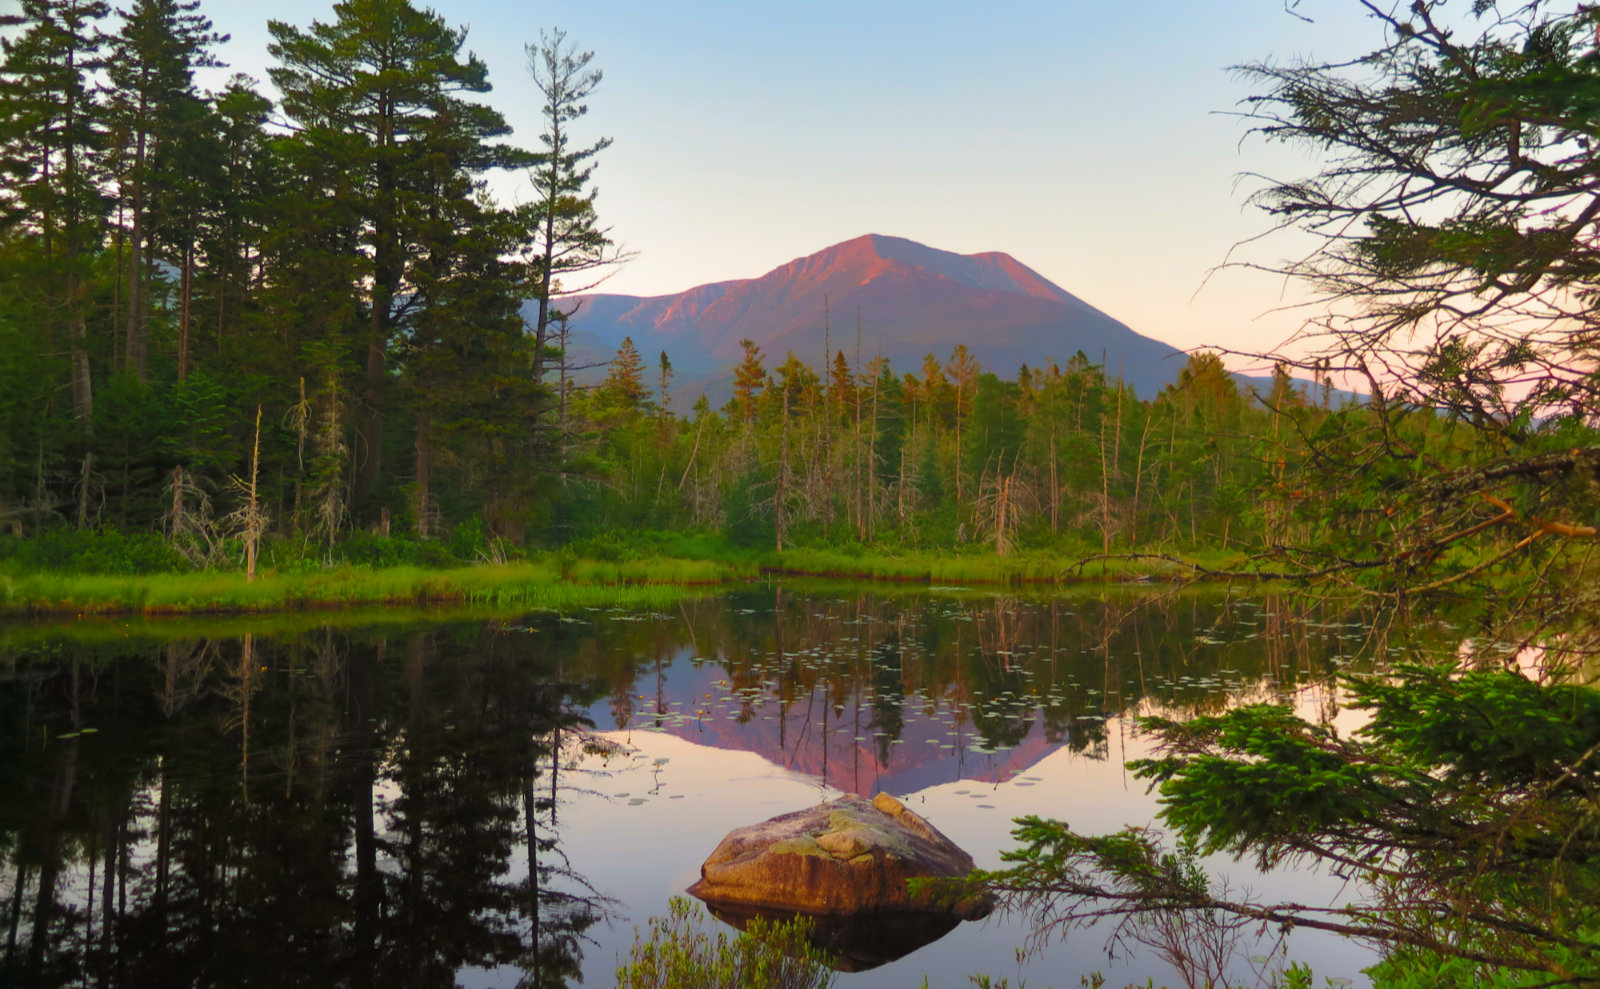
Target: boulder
[[845, 857]]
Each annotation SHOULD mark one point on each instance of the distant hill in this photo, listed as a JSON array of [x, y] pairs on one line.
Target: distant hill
[[911, 300]]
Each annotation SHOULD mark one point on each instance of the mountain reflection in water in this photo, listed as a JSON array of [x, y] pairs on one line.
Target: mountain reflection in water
[[209, 804]]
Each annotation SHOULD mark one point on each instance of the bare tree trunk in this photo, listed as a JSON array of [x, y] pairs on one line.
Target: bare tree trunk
[[872, 466], [77, 334], [1055, 484], [1002, 500], [1105, 493], [1138, 483], [252, 521], [421, 497], [699, 428], [84, 478], [783, 469]]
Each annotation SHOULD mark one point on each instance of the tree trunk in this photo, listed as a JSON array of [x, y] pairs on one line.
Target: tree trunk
[[135, 340], [783, 469], [424, 475], [77, 334], [252, 520], [186, 294]]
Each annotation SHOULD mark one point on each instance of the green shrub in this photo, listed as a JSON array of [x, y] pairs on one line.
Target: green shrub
[[605, 547], [679, 954], [103, 551], [376, 551], [469, 540]]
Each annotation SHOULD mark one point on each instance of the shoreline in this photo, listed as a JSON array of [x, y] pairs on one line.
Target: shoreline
[[544, 584]]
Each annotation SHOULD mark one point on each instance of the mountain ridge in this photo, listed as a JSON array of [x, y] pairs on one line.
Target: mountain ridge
[[909, 300]]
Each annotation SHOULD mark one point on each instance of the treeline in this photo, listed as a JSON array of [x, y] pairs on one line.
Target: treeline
[[223, 315], [947, 455]]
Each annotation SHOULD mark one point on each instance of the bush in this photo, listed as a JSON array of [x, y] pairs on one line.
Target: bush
[[104, 551], [605, 547], [391, 551], [766, 955]]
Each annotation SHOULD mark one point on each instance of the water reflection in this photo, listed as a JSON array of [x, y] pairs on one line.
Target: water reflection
[[327, 809], [855, 943], [277, 805], [873, 694]]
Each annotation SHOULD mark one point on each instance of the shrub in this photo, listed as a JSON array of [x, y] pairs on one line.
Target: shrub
[[679, 954], [104, 551]]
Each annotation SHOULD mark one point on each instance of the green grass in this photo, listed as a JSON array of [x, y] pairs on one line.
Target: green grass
[[547, 583], [627, 570], [974, 568]]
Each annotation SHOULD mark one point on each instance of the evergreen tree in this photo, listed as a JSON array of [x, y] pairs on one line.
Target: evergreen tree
[[748, 378], [243, 187], [623, 392], [376, 94], [159, 118], [565, 236], [52, 143]]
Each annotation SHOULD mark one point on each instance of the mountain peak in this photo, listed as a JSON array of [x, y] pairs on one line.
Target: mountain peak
[[908, 299], [873, 255]]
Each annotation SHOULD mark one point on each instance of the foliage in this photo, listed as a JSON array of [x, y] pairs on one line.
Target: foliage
[[1461, 809], [678, 954], [1454, 270], [97, 551]]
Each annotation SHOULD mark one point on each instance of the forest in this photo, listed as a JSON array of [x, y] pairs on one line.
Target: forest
[[227, 320]]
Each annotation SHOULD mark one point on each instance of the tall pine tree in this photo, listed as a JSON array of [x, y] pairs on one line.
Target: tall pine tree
[[376, 93]]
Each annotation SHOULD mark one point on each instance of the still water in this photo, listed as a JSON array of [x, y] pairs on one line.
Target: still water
[[275, 803]]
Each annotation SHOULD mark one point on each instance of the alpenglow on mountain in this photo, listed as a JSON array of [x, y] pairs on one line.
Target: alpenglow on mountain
[[911, 300]]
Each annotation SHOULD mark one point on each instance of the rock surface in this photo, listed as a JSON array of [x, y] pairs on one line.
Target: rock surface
[[848, 856]]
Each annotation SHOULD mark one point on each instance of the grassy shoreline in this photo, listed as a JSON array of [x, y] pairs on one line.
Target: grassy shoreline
[[545, 584], [551, 582]]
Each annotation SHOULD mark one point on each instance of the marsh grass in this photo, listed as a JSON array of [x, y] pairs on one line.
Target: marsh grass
[[626, 570], [965, 568], [539, 584]]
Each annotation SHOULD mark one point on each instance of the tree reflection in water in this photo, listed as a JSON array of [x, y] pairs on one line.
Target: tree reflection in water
[[325, 809], [282, 806]]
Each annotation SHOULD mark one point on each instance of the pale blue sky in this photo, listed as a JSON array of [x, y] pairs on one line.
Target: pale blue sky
[[1081, 137]]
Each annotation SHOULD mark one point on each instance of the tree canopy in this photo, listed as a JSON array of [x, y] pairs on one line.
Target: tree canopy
[[1453, 223]]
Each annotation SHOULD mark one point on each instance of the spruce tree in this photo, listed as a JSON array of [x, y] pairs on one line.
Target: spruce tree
[[566, 240], [52, 139], [159, 116], [377, 93]]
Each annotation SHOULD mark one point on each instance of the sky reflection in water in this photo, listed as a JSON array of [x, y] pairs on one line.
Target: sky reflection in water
[[353, 807]]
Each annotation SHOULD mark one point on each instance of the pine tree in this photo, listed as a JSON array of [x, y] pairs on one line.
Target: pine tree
[[52, 139], [159, 118], [747, 382], [376, 93], [566, 238], [623, 391], [242, 188]]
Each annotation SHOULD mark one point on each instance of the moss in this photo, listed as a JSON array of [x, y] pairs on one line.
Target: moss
[[872, 833], [805, 845]]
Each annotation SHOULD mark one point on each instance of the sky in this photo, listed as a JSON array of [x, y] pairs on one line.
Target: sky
[[1093, 141]]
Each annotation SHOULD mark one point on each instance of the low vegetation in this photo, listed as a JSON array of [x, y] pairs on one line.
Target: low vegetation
[[677, 953], [546, 583]]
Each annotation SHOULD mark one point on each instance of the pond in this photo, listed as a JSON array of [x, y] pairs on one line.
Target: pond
[[299, 802]]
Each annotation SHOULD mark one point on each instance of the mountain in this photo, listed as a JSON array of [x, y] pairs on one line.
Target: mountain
[[911, 300]]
